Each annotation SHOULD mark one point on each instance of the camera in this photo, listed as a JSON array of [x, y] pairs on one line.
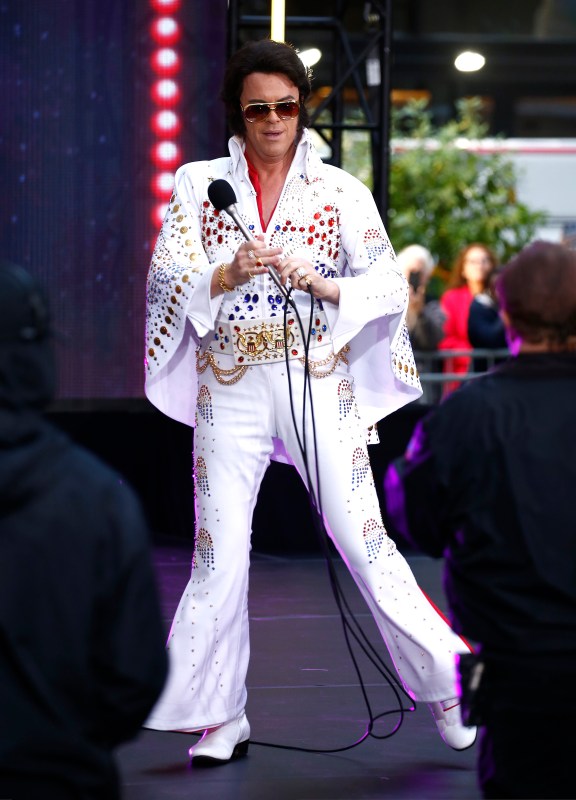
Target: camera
[[470, 672], [414, 279]]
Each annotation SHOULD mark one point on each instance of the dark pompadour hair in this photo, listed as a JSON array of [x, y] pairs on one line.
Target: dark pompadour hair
[[269, 57]]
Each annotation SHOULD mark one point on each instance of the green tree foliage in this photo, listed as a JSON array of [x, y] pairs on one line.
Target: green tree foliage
[[444, 196]]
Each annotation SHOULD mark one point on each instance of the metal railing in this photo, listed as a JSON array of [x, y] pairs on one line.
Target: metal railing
[[428, 359]]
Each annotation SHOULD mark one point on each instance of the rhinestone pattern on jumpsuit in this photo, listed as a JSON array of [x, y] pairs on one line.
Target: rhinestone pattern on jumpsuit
[[243, 419]]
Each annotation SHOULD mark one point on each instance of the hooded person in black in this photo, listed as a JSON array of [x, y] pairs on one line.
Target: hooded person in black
[[82, 656]]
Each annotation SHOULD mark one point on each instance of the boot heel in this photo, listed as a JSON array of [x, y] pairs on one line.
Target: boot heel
[[221, 745], [241, 749]]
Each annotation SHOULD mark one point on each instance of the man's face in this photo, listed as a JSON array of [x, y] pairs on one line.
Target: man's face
[[269, 140]]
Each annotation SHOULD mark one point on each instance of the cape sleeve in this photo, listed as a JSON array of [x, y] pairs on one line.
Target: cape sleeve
[[179, 309], [371, 315]]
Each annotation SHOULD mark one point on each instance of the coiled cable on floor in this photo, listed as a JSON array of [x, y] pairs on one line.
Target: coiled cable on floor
[[353, 631]]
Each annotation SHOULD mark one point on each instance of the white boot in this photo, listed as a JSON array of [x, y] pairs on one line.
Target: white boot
[[447, 716], [222, 744]]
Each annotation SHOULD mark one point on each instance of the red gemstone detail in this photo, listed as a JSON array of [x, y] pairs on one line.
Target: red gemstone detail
[[294, 352]]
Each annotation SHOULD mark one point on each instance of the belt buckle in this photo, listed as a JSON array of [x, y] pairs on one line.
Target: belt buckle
[[258, 342]]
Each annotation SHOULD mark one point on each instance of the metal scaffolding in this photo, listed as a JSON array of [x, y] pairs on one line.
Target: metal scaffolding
[[359, 65]]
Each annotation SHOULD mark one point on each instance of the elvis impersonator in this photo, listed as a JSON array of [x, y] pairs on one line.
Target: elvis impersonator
[[217, 342]]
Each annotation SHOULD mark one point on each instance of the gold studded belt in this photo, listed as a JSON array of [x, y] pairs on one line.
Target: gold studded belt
[[262, 341]]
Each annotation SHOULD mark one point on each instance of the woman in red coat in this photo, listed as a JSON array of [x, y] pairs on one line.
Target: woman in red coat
[[471, 275]]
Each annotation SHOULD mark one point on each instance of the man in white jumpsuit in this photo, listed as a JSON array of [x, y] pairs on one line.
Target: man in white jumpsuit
[[218, 339]]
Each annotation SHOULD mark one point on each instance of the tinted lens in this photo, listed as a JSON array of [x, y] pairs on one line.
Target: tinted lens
[[287, 110], [256, 112]]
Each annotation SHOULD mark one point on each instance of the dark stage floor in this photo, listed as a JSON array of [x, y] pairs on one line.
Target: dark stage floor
[[304, 692]]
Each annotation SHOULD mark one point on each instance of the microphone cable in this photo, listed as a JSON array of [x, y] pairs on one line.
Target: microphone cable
[[352, 629], [223, 197]]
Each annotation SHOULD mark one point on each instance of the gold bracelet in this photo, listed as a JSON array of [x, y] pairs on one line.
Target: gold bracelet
[[222, 281]]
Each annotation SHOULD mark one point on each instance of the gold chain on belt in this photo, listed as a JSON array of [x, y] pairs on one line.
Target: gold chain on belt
[[227, 377]]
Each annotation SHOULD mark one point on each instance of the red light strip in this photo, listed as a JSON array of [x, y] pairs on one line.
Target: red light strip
[[166, 94]]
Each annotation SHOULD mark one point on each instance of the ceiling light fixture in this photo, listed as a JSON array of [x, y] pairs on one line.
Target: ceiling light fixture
[[469, 61], [310, 57]]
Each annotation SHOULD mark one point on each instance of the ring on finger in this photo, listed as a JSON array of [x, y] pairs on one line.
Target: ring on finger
[[300, 272], [308, 280], [250, 253], [250, 274], [259, 263]]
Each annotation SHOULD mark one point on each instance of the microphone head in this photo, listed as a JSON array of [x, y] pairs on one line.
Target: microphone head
[[221, 194]]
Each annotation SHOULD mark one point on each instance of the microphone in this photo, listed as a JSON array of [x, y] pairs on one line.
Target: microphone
[[223, 198]]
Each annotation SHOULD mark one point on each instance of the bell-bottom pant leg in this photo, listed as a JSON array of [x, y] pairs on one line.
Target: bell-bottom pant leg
[[420, 641], [209, 640]]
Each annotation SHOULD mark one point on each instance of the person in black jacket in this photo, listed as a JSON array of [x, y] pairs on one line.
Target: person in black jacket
[[82, 657], [486, 329], [488, 481]]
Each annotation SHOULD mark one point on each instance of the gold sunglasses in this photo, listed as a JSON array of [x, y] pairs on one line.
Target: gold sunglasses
[[258, 112]]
